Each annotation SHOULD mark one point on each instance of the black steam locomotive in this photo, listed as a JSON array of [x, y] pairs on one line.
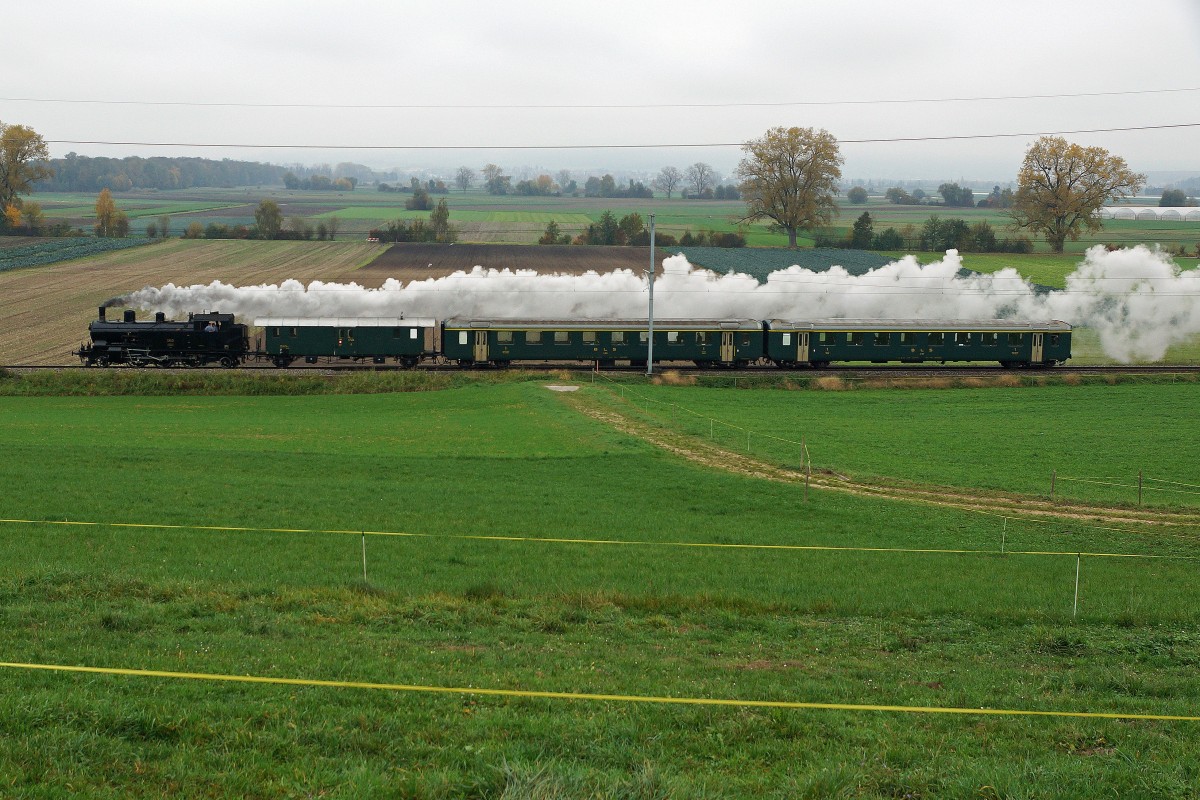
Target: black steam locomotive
[[201, 339]]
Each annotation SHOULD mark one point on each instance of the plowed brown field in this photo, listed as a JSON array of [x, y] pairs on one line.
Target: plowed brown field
[[45, 311]]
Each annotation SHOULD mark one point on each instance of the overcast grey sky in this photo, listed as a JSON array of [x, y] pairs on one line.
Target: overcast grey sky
[[806, 64]]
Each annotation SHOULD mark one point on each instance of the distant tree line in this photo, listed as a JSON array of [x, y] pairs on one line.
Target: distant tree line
[[935, 235], [318, 183], [76, 173], [630, 230], [953, 196]]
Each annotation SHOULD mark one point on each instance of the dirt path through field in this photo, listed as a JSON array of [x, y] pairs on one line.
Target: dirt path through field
[[980, 501]]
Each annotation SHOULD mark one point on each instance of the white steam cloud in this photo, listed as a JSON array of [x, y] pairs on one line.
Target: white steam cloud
[[1138, 299]]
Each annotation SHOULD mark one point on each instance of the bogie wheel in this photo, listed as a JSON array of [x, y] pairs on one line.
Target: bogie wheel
[[102, 361], [229, 362]]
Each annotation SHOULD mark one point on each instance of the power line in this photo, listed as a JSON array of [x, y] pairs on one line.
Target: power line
[[603, 146], [598, 106]]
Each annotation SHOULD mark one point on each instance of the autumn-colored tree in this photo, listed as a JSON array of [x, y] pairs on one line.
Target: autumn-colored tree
[[439, 223], [111, 222], [23, 155], [791, 176], [11, 219], [269, 218], [1062, 185]]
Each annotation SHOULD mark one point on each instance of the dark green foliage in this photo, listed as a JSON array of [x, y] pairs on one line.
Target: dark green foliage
[[42, 253]]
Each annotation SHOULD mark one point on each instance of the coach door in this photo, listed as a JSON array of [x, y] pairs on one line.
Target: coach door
[[727, 345], [481, 346], [1037, 348], [802, 347]]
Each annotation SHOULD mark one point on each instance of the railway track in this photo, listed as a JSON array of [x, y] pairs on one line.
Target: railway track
[[845, 371]]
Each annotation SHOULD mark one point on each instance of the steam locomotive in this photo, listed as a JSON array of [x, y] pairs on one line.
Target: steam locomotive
[[214, 338]]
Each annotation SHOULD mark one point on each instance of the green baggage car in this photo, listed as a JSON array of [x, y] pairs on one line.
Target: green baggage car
[[374, 339]]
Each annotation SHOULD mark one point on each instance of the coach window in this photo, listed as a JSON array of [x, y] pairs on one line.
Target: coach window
[[937, 339], [821, 337], [294, 333], [672, 337], [589, 337], [561, 337], [274, 331], [462, 337], [643, 336], [533, 337], [962, 338], [1016, 339], [854, 337], [412, 333], [787, 339], [504, 337], [1054, 338], [990, 339], [881, 339], [701, 337], [745, 338], [907, 337], [618, 337]]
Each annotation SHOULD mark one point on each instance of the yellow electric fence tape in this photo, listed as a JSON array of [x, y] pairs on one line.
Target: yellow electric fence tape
[[615, 698], [626, 542]]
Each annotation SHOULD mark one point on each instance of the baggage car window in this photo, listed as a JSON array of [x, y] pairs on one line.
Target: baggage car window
[[462, 337], [937, 338], [1054, 338], [561, 337], [504, 336], [962, 338], [412, 333], [533, 337], [881, 339], [1016, 339], [787, 338]]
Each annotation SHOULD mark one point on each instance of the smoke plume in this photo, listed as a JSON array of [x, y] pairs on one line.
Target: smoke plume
[[1138, 299]]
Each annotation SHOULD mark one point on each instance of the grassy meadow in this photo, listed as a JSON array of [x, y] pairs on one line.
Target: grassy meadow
[[634, 610]]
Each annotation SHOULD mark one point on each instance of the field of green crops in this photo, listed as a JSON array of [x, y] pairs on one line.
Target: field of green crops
[[515, 544], [51, 251]]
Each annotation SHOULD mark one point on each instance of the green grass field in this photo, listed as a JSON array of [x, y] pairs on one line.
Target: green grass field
[[651, 619]]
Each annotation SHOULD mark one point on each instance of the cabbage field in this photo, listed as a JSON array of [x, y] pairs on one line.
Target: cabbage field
[[54, 250]]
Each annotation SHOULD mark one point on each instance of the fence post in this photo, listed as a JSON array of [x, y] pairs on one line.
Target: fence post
[[364, 545], [1003, 535], [1139, 487], [1075, 609], [1053, 479]]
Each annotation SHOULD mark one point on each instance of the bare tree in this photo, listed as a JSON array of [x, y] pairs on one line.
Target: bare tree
[[699, 176], [332, 224], [465, 178], [668, 180], [564, 178]]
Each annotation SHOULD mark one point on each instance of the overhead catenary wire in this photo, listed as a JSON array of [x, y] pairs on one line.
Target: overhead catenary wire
[[653, 146], [598, 106]]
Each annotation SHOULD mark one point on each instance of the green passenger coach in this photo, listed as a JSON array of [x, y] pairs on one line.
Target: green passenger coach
[[727, 342], [816, 343], [374, 339]]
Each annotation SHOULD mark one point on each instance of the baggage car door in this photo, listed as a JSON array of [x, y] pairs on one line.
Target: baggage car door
[[481, 345], [727, 345], [1037, 348]]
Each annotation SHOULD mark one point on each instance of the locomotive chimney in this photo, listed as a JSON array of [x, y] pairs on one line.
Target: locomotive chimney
[[102, 313], [130, 316], [160, 316]]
